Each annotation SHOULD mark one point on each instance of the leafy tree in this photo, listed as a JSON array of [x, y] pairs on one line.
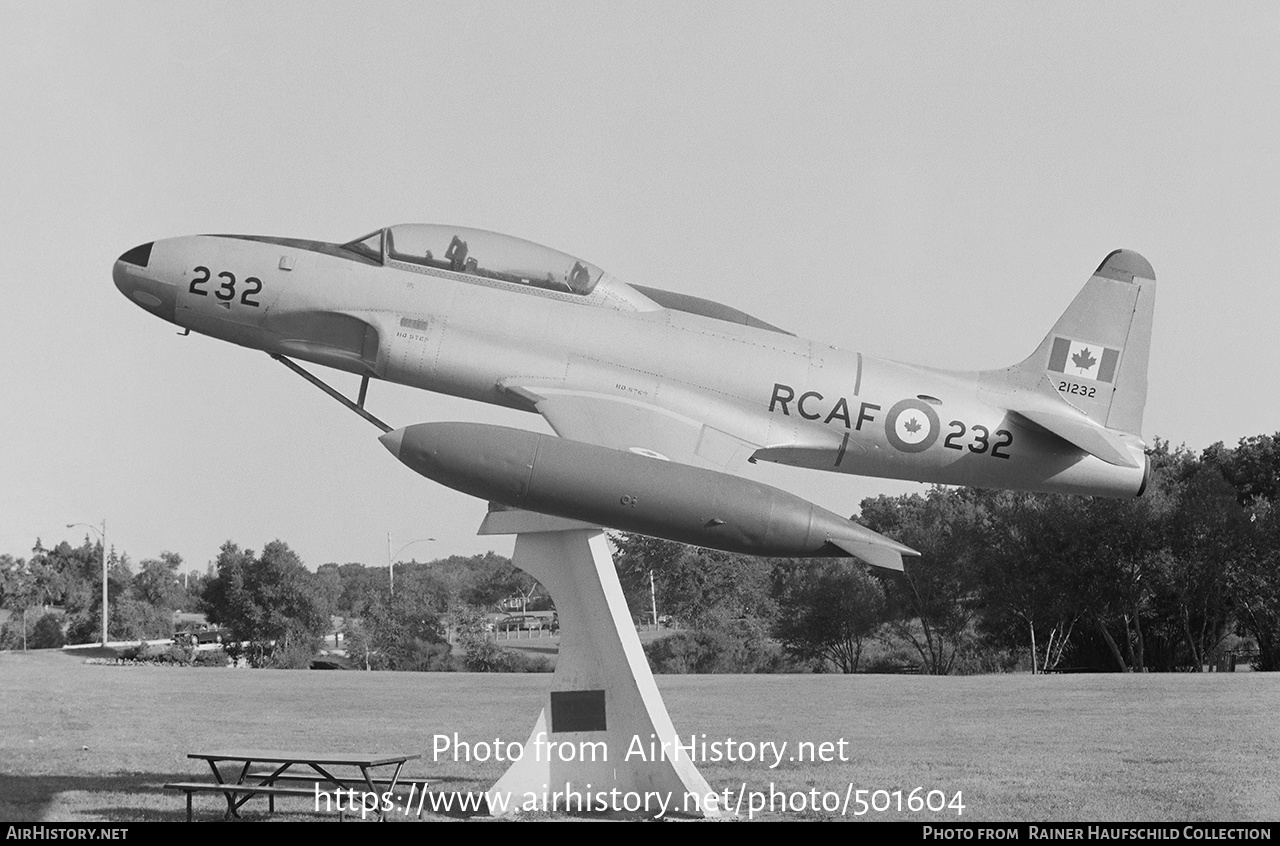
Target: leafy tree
[[1258, 586], [479, 653], [16, 633], [1125, 560], [270, 602], [1027, 567], [493, 581], [359, 584], [932, 604], [828, 611], [19, 591], [146, 610], [481, 580], [1252, 468], [1211, 542], [157, 582], [193, 582], [18, 586], [703, 588], [424, 586], [358, 643], [403, 633], [78, 580], [482, 655], [45, 582], [329, 587], [129, 619]]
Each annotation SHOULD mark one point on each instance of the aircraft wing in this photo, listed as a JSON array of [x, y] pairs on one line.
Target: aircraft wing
[[635, 426]]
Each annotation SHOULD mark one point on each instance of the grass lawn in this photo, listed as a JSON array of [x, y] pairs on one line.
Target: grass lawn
[[94, 743]]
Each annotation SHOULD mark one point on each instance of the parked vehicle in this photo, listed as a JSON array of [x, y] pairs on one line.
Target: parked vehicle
[[199, 638], [528, 622]]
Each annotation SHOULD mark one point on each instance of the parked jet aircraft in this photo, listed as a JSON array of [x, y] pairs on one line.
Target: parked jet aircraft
[[660, 399]]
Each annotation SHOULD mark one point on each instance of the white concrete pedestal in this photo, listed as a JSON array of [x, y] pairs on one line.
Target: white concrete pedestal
[[598, 745]]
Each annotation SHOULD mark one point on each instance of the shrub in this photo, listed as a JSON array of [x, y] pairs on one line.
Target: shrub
[[699, 651], [990, 660], [425, 656], [295, 655], [10, 637], [738, 648], [175, 653], [889, 656], [209, 658], [46, 633], [484, 656], [133, 652]]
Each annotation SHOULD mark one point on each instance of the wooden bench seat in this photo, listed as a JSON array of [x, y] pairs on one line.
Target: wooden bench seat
[[247, 790]]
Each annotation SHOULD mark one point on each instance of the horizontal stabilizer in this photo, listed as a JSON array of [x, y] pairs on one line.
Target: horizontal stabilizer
[[1070, 424], [1091, 438], [882, 552]]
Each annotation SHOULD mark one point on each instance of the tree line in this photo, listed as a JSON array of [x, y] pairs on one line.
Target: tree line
[[273, 610], [1169, 581]]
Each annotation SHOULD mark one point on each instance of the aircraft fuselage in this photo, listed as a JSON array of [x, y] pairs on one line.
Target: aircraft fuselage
[[759, 394]]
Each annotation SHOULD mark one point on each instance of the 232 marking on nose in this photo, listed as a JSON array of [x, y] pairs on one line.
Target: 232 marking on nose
[[226, 290]]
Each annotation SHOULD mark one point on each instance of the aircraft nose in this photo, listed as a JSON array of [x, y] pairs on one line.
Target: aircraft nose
[[124, 271], [138, 281]]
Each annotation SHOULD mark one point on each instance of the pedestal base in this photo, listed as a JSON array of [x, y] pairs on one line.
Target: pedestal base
[[603, 742]]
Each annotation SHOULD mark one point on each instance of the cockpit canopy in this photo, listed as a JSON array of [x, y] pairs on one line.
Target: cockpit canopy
[[477, 252]]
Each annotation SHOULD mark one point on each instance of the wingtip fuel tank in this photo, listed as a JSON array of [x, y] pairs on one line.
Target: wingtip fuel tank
[[633, 493]]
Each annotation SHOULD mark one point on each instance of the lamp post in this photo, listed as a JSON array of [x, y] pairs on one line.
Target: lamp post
[[653, 601], [102, 534], [391, 565]]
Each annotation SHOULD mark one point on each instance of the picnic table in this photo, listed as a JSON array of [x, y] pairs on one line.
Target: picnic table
[[272, 773]]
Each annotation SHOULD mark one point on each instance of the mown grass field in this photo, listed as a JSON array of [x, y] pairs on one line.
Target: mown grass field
[[85, 742]]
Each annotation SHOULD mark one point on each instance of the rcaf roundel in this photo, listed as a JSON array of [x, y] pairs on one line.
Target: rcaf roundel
[[911, 425]]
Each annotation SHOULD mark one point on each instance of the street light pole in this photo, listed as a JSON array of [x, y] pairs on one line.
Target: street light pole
[[653, 601], [105, 616], [103, 535], [391, 567]]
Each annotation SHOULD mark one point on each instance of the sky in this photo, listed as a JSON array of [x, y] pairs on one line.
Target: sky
[[927, 182]]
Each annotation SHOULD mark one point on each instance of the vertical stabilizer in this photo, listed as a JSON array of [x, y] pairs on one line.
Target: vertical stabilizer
[[1096, 354]]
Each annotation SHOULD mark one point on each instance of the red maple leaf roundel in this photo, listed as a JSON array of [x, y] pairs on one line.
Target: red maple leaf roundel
[[911, 426]]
